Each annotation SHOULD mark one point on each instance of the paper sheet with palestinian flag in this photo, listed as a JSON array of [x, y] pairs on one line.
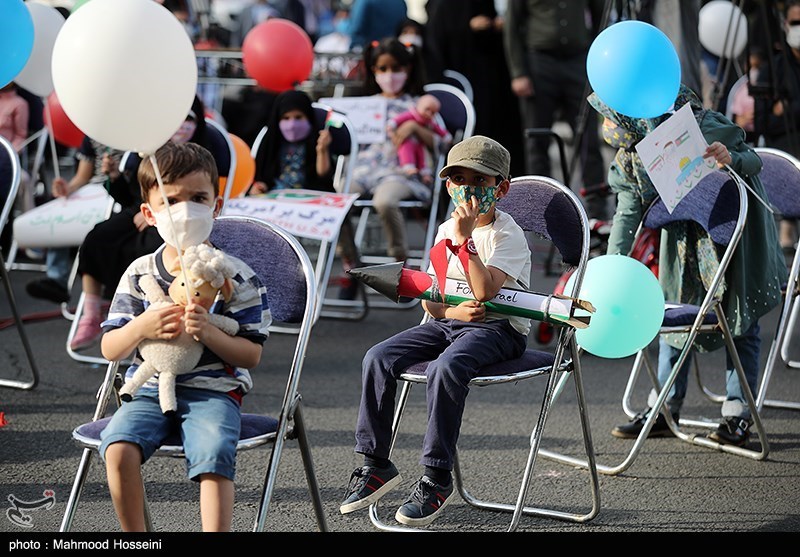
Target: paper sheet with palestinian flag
[[303, 213]]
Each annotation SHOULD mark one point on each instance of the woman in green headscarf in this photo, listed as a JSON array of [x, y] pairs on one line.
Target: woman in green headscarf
[[689, 258]]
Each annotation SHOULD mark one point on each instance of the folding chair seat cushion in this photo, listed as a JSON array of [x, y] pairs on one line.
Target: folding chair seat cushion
[[685, 314], [531, 360], [254, 427]]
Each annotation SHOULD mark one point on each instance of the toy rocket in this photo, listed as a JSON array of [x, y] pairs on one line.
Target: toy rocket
[[393, 281]]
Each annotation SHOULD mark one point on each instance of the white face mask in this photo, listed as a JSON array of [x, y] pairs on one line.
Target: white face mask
[[793, 36], [192, 224], [391, 82]]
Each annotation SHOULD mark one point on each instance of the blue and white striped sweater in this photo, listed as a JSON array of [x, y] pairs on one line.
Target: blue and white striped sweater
[[247, 306]]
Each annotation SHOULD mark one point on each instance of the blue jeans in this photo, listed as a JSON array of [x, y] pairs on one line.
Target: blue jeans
[[735, 405], [208, 421], [457, 350], [59, 265]]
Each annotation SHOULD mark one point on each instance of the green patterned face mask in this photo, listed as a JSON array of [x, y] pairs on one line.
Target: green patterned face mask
[[487, 196]]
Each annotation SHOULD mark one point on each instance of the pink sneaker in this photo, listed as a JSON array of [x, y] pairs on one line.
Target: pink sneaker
[[87, 333]]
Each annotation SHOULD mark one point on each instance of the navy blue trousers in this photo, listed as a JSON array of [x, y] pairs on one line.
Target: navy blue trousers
[[456, 350]]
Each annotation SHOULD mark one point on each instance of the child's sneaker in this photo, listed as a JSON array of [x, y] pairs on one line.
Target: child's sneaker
[[367, 485], [425, 503], [87, 333]]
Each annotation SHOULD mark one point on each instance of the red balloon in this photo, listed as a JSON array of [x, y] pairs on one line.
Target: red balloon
[[278, 54], [62, 128]]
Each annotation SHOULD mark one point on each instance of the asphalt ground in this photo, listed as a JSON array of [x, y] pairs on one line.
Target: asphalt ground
[[671, 486]]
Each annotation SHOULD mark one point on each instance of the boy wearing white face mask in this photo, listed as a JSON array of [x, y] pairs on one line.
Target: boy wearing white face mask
[[486, 248], [209, 398]]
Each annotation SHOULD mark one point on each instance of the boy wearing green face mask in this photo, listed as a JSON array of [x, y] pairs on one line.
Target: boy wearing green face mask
[[486, 249]]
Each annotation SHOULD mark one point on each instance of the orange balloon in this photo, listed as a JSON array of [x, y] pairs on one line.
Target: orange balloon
[[245, 168]]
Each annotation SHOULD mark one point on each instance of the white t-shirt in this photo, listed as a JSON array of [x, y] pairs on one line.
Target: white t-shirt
[[501, 244]]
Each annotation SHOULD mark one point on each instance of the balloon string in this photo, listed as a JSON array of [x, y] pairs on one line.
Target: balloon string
[[171, 224], [52, 138]]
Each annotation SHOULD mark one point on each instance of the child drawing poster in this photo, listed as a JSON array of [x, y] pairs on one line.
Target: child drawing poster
[[672, 154]]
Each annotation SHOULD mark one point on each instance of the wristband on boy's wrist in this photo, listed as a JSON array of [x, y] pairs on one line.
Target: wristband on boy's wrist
[[469, 246]]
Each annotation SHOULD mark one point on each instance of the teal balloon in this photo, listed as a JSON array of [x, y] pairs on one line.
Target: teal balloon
[[634, 68], [629, 306], [16, 39]]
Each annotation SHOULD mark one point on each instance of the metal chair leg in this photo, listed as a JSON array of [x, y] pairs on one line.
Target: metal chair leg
[[11, 383]]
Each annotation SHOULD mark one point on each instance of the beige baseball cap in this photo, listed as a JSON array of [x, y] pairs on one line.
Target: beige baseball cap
[[481, 154]]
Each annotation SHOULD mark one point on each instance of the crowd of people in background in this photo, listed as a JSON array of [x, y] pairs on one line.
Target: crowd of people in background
[[524, 61]]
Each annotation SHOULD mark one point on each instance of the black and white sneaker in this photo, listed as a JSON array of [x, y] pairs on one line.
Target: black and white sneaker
[[367, 485], [425, 503]]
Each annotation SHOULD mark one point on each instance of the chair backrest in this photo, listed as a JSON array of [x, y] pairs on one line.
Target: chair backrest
[[549, 209], [457, 110], [10, 174], [222, 147], [738, 84], [291, 290], [458, 79], [718, 203], [780, 175]]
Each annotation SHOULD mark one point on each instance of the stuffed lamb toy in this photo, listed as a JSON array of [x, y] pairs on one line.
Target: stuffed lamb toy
[[209, 272]]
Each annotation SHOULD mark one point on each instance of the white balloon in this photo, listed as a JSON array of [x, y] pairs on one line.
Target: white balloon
[[125, 73], [36, 76], [722, 29]]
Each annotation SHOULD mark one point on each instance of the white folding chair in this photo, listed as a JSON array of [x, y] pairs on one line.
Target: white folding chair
[[9, 185], [285, 269], [545, 207], [459, 80], [458, 116], [718, 203]]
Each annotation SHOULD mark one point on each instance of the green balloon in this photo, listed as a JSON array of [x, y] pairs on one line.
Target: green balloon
[[629, 304]]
